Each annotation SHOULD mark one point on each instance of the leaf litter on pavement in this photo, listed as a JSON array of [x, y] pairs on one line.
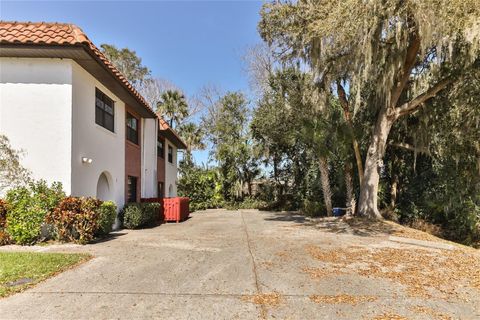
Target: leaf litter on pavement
[[419, 270]]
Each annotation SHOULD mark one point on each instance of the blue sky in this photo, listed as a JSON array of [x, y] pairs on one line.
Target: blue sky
[[190, 43]]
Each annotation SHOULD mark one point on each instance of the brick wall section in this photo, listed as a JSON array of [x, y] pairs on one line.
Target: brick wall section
[[133, 157]]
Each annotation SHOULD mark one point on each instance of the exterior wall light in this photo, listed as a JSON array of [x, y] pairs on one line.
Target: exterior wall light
[[86, 160]]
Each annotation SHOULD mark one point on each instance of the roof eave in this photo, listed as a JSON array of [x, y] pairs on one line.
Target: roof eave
[[173, 137], [98, 70]]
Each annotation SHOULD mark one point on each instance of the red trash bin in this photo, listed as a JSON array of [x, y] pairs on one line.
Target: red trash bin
[[176, 209]]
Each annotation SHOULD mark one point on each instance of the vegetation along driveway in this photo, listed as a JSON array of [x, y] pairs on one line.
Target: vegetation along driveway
[[250, 265]]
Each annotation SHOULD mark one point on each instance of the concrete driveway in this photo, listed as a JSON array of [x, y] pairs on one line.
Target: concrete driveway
[[232, 265]]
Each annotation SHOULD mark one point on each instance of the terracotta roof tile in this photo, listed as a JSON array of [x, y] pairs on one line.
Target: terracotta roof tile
[[43, 33], [165, 126]]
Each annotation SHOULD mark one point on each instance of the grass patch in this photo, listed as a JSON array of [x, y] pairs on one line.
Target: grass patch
[[20, 270]]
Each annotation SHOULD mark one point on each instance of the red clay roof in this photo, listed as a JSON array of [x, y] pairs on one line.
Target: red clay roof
[[174, 135], [43, 33]]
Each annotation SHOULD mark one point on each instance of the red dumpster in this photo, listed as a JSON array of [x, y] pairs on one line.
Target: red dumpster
[[171, 209], [176, 209]]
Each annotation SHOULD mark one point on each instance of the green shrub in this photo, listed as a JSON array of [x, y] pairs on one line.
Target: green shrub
[[132, 216], [28, 207], [4, 238], [151, 212], [25, 217], [76, 219], [247, 203], [106, 217], [47, 197], [3, 214], [136, 215], [202, 186], [313, 208], [463, 224]]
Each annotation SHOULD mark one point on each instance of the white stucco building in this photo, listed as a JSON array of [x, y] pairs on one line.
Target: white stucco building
[[78, 120]]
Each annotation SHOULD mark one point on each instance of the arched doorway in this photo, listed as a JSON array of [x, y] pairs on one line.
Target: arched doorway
[[104, 187]]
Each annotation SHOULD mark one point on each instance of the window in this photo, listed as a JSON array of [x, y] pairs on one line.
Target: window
[[132, 128], [132, 189], [160, 192], [170, 154], [160, 147], [104, 110]]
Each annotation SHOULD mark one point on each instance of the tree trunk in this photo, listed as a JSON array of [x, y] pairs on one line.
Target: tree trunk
[[348, 119], [327, 193], [350, 197], [393, 192], [358, 159], [275, 177], [367, 204]]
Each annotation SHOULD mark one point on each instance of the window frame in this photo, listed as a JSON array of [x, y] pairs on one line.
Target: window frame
[[101, 113], [132, 133], [170, 154], [160, 154], [129, 195]]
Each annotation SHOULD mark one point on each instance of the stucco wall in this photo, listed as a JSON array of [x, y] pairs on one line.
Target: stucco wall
[[149, 158], [36, 114], [170, 171], [105, 148], [47, 109]]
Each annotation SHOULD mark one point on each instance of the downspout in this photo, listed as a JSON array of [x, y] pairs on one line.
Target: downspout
[[142, 192]]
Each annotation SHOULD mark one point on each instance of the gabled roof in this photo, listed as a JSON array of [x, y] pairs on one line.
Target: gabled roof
[[26, 38], [172, 135]]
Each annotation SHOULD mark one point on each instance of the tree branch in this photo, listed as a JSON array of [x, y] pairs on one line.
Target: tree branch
[[409, 147], [342, 96], [414, 104], [410, 60]]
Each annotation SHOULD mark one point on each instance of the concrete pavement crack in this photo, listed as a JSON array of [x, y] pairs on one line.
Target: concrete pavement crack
[[263, 312], [254, 268]]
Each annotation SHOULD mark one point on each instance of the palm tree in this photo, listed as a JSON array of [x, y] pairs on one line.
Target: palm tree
[[317, 131], [192, 135], [174, 106]]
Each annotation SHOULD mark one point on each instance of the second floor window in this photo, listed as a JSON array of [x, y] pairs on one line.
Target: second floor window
[[132, 128], [160, 147], [170, 154], [104, 110]]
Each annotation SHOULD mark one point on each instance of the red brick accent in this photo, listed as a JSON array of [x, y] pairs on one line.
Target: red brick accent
[[133, 157]]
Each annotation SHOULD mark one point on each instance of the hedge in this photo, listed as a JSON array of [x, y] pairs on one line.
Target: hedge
[[137, 215], [82, 219], [27, 209], [4, 237], [107, 213]]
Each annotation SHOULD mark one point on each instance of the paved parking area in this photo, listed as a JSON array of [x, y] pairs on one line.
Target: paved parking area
[[233, 265]]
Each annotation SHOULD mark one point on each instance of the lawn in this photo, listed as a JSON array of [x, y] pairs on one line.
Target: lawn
[[20, 270]]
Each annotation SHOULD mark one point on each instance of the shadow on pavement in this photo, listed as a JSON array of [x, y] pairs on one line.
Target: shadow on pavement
[[287, 216], [339, 225], [111, 236]]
